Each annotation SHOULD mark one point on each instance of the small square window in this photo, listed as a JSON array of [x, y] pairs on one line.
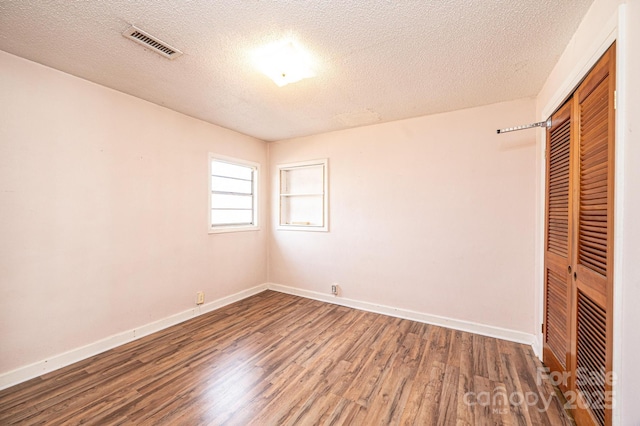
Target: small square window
[[233, 194], [304, 196]]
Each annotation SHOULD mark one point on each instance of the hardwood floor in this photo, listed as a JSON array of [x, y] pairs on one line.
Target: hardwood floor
[[280, 359]]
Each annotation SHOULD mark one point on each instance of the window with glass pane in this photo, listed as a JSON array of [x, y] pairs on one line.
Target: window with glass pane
[[232, 194]]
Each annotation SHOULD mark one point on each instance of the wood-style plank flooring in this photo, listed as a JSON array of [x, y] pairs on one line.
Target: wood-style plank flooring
[[276, 359]]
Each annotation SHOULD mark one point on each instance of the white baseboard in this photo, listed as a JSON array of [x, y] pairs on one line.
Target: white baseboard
[[39, 368], [468, 326], [537, 346]]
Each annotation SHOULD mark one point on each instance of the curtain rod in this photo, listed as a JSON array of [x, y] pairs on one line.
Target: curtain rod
[[526, 126]]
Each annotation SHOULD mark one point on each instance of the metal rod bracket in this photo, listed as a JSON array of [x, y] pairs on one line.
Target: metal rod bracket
[[526, 126]]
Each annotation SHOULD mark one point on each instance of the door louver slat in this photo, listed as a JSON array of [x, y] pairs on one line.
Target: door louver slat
[[593, 233], [591, 355], [558, 203], [557, 316]]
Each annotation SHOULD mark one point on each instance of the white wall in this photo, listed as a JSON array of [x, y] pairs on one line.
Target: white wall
[[432, 214], [629, 335], [606, 21], [103, 213]]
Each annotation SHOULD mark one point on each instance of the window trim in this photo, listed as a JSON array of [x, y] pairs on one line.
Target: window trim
[[324, 162], [255, 226]]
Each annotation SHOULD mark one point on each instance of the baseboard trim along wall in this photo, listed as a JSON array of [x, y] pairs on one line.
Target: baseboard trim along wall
[[39, 368], [468, 326]]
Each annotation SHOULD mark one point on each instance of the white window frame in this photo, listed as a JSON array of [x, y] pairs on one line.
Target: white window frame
[[324, 162], [255, 226]]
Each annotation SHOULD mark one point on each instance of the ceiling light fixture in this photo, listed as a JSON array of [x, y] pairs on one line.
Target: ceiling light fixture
[[284, 62]]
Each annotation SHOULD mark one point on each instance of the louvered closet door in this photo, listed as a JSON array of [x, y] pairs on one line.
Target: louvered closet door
[[557, 343], [593, 240]]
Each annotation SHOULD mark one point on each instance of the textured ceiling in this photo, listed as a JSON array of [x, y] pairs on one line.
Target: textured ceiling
[[377, 60]]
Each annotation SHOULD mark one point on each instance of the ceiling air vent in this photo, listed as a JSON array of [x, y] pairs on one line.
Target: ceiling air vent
[[151, 42]]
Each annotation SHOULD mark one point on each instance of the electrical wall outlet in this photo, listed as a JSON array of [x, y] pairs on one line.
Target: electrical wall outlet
[[200, 298], [334, 289]]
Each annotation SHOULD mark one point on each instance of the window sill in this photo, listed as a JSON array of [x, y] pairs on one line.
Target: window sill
[[228, 229], [312, 228]]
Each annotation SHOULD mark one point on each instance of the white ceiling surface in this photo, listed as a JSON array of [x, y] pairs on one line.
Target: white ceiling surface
[[376, 60]]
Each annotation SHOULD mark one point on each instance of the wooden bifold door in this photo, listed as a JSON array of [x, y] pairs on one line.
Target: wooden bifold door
[[578, 267]]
